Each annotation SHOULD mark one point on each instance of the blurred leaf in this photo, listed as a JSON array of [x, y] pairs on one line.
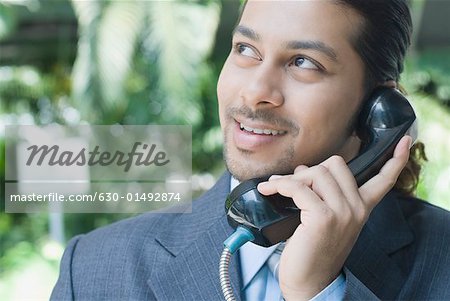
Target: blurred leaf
[[182, 34], [117, 35], [178, 39], [7, 20], [85, 72]]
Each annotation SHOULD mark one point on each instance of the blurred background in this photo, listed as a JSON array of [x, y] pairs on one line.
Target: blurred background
[[157, 62]]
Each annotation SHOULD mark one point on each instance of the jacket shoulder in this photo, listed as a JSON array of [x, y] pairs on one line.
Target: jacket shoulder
[[430, 262], [424, 217], [115, 262], [132, 235]]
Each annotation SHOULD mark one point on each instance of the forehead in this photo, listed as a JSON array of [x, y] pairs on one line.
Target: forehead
[[319, 20]]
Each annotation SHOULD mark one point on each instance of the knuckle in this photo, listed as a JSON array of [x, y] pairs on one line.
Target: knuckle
[[300, 186], [299, 190], [346, 214], [329, 218], [390, 181], [321, 170], [361, 214], [338, 160], [300, 168]]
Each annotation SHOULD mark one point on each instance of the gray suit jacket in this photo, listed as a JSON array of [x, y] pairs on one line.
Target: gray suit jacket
[[403, 252]]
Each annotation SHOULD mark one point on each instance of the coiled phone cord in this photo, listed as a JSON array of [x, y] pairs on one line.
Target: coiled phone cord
[[232, 244], [224, 275]]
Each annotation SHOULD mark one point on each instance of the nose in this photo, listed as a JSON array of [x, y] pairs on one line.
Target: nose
[[262, 90]]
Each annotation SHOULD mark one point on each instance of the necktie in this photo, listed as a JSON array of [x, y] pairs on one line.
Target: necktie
[[273, 261]]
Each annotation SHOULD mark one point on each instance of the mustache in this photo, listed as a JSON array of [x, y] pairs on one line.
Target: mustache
[[266, 116]]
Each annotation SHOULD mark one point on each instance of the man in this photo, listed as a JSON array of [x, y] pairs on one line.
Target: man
[[289, 94]]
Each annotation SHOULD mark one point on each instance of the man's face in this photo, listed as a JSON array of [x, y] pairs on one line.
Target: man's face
[[290, 87]]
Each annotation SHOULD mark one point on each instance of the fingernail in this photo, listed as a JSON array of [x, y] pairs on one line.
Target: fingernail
[[273, 177], [261, 185]]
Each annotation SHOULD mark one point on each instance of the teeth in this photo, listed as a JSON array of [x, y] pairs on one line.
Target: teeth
[[261, 131]]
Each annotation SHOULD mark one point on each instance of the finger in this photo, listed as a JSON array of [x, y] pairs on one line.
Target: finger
[[300, 168], [297, 169], [374, 189], [303, 197], [344, 178], [273, 177], [320, 180], [324, 183]]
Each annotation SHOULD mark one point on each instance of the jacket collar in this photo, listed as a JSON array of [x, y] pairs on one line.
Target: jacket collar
[[195, 243]]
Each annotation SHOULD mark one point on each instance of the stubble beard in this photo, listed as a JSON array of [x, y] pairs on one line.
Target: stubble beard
[[242, 170], [240, 167]]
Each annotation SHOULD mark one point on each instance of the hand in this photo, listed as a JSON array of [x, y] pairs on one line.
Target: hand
[[333, 212]]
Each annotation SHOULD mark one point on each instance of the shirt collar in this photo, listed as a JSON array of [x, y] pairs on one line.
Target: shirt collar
[[252, 258]]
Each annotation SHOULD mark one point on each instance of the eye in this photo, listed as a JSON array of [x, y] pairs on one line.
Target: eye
[[246, 50], [305, 63]]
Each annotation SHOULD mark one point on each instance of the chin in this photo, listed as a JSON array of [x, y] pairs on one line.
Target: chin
[[244, 166], [242, 170]]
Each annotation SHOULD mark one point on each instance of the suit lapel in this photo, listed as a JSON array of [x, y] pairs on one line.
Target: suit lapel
[[188, 264], [385, 233]]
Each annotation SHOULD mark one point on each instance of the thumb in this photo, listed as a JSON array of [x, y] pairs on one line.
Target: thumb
[[374, 189]]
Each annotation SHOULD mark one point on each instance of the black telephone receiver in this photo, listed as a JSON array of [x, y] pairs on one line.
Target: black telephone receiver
[[385, 118]]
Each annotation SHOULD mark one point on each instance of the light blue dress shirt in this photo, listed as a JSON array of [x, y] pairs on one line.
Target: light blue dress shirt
[[259, 283]]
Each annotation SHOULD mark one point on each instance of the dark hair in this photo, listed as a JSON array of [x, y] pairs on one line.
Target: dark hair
[[382, 42], [383, 38]]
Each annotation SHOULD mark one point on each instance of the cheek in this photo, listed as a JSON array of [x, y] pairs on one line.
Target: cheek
[[221, 84], [223, 89], [227, 81], [325, 112], [228, 87]]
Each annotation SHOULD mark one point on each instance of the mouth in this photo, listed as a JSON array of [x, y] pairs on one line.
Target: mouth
[[249, 136], [261, 131]]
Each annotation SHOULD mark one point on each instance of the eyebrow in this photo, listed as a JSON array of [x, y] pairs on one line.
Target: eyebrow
[[313, 45], [306, 44], [247, 32]]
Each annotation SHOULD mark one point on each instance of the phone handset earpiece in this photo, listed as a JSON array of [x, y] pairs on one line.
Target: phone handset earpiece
[[385, 118]]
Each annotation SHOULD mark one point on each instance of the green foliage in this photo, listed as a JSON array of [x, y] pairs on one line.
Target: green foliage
[[428, 73], [427, 78], [29, 96], [19, 234], [7, 20], [434, 131], [166, 42]]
